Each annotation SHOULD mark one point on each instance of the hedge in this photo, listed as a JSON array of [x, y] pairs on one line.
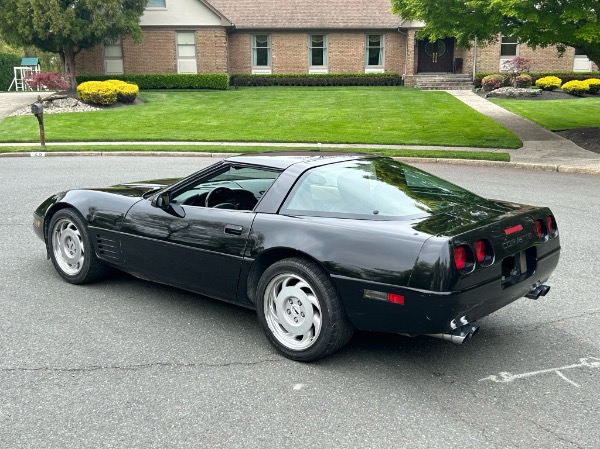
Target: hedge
[[338, 79], [166, 81], [7, 63]]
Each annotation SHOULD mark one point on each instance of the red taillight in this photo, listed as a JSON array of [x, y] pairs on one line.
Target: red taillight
[[549, 224], [480, 250], [460, 257], [539, 228], [395, 298]]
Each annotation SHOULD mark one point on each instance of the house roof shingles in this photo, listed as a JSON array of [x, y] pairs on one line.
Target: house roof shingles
[[308, 14]]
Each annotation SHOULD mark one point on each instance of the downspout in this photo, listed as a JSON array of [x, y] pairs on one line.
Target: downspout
[[474, 59], [405, 51]]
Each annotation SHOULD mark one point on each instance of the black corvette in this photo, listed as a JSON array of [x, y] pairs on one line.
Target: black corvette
[[318, 243]]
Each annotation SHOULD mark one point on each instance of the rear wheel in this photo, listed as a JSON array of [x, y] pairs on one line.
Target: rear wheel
[[300, 310], [71, 249]]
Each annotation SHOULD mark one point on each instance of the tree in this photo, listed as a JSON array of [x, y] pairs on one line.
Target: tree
[[68, 26], [537, 23]]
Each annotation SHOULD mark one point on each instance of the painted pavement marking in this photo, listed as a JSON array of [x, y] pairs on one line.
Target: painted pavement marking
[[506, 377]]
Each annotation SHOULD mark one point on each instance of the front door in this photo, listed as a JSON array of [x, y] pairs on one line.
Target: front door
[[436, 56], [201, 251]]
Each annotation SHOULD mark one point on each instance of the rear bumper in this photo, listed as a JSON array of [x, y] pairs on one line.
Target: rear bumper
[[433, 312]]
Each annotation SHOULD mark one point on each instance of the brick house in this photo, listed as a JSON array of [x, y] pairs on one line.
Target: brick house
[[300, 36]]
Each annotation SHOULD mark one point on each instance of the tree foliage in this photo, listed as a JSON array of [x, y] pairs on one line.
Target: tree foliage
[[537, 23], [68, 26]]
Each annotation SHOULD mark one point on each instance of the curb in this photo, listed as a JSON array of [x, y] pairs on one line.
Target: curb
[[560, 168]]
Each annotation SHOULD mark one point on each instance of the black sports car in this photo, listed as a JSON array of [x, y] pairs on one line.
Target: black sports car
[[318, 243]]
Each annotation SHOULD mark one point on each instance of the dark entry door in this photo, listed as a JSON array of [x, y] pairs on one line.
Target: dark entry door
[[436, 56]]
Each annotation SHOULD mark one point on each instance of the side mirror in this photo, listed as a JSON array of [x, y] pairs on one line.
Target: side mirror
[[162, 201]]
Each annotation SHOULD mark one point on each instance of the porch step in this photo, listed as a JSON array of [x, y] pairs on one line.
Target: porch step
[[442, 81]]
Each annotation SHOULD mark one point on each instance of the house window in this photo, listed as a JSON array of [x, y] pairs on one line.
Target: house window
[[186, 52], [156, 4], [581, 63], [261, 53], [508, 46], [317, 53], [374, 53], [113, 57]]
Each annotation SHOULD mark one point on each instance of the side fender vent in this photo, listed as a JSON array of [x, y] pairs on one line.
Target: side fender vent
[[107, 248]]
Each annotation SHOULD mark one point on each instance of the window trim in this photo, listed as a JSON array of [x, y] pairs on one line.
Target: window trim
[[374, 68], [323, 68], [118, 42], [261, 69], [157, 7], [186, 58]]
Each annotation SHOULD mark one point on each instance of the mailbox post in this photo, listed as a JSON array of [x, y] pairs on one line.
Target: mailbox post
[[37, 109]]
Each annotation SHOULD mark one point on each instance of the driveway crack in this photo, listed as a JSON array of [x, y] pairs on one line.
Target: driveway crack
[[136, 367]]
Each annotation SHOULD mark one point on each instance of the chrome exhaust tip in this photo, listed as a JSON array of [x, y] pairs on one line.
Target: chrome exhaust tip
[[537, 290], [458, 335]]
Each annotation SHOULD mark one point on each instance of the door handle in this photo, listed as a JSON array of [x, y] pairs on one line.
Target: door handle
[[233, 229]]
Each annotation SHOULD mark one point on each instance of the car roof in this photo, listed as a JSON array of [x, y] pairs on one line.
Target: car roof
[[284, 159]]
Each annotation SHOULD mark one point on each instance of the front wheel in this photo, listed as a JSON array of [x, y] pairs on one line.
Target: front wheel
[[71, 249], [300, 310]]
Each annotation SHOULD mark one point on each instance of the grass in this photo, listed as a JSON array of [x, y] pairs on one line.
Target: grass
[[557, 115], [435, 154], [368, 115]]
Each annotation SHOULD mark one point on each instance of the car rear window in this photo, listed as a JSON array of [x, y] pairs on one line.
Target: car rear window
[[376, 188]]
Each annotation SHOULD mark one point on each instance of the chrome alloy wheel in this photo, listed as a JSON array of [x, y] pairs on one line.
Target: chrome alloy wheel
[[67, 244], [292, 311]]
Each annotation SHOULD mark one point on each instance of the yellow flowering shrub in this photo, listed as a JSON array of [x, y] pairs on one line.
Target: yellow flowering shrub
[[549, 83], [578, 88], [97, 92], [126, 92], [593, 85]]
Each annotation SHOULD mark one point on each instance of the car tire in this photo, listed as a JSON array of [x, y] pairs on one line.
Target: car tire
[[71, 249], [300, 310]]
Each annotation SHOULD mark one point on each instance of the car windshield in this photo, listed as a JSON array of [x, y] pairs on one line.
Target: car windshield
[[373, 188]]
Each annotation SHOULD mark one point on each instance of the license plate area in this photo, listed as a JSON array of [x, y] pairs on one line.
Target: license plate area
[[519, 266]]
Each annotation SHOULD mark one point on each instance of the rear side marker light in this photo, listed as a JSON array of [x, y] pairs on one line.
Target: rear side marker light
[[384, 296]]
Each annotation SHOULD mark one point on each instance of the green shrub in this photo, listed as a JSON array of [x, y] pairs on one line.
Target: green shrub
[[331, 79], [578, 88], [523, 81], [7, 63], [548, 82], [491, 82], [166, 81], [593, 85], [97, 92]]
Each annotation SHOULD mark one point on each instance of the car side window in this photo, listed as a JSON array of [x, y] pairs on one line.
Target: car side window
[[235, 187]]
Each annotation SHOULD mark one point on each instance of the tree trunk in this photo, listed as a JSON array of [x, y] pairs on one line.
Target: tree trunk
[[67, 57]]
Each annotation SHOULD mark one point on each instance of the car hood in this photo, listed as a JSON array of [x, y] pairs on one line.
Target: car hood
[[137, 189]]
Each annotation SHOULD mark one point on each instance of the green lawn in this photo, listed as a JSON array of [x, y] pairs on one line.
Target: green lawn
[[557, 115], [370, 115], [436, 154]]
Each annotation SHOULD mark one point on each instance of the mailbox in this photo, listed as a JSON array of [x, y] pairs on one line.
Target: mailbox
[[37, 108]]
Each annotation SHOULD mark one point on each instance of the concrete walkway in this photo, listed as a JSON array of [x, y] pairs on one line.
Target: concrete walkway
[[540, 146], [542, 149]]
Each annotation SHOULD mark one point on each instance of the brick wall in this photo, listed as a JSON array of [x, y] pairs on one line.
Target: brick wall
[[157, 53], [289, 52]]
